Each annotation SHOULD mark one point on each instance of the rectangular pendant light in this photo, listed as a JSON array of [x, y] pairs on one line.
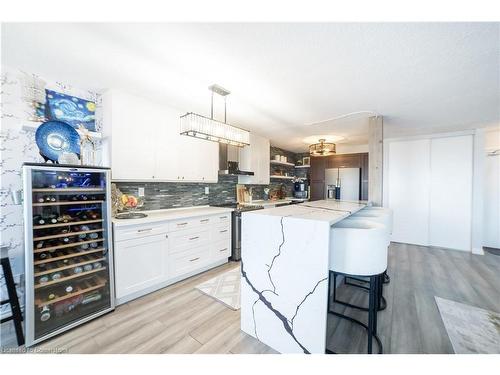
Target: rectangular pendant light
[[198, 126], [202, 127]]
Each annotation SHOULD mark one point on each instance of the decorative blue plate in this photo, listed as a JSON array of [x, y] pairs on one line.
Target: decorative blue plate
[[56, 137]]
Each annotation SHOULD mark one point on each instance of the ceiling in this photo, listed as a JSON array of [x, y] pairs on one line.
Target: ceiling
[[285, 79]]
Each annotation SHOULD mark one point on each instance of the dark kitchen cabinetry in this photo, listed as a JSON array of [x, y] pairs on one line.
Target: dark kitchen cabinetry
[[319, 164]]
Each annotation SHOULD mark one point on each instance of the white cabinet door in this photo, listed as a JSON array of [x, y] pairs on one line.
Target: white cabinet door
[[451, 192], [167, 146], [408, 190], [255, 158], [130, 123], [197, 160], [140, 263]]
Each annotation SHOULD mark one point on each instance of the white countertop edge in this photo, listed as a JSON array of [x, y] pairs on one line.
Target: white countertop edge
[[167, 214]]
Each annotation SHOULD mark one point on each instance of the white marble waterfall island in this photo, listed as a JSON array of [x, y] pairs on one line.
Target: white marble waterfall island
[[284, 284]]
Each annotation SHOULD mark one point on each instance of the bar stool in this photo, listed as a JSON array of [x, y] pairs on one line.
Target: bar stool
[[359, 248], [16, 315]]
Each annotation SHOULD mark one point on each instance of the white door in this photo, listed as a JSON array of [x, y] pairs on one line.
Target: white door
[[349, 184], [408, 190], [492, 202], [140, 263], [451, 192]]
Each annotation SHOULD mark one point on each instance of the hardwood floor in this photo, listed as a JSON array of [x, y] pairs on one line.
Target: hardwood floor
[[179, 319]]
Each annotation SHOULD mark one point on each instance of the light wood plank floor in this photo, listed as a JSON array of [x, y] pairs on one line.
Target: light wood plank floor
[[179, 319]]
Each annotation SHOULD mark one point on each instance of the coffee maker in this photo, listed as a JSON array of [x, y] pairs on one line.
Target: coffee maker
[[300, 189]]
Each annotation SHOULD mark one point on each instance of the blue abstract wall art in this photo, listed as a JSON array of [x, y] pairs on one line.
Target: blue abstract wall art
[[70, 109]]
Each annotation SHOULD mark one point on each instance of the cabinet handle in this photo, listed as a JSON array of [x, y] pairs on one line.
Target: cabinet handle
[[166, 236], [181, 224], [144, 230], [223, 249], [194, 238], [222, 217], [223, 231], [204, 220], [192, 260]]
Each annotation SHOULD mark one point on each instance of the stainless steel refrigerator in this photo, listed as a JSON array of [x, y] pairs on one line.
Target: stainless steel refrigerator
[[68, 248], [343, 183]]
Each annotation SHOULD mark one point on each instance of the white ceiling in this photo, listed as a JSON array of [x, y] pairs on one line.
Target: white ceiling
[[422, 77]]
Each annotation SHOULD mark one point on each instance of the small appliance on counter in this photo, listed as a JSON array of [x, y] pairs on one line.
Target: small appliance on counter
[[300, 189]]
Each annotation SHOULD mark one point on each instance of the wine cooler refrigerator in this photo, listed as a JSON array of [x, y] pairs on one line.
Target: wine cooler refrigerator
[[68, 247]]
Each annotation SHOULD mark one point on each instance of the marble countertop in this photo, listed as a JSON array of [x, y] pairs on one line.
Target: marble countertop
[[171, 214], [331, 211]]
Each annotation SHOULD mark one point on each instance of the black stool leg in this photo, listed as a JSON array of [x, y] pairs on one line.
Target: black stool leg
[[14, 302], [371, 310]]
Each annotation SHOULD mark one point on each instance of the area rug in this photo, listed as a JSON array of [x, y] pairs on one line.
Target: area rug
[[471, 330], [225, 288]]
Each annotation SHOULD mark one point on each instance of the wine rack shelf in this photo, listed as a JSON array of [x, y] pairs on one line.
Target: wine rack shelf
[[66, 224], [69, 234], [69, 190], [72, 255], [63, 279], [65, 203], [66, 246], [101, 283], [52, 270]]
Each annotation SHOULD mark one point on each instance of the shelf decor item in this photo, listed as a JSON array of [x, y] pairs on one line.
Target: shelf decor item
[[322, 148], [87, 147], [198, 126], [306, 160], [70, 109], [55, 137]]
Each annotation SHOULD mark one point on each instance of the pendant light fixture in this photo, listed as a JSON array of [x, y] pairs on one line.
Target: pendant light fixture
[[322, 148], [198, 126]]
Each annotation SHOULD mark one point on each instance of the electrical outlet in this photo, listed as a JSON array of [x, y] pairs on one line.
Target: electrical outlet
[[207, 190], [140, 192]]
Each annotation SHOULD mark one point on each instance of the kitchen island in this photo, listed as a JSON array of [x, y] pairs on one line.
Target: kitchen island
[[284, 283]]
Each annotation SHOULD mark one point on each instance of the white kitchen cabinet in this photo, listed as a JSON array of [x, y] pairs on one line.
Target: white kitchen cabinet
[[140, 263], [151, 256], [143, 143], [256, 158]]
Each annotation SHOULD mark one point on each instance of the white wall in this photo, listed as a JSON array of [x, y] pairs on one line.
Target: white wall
[[491, 227], [350, 149]]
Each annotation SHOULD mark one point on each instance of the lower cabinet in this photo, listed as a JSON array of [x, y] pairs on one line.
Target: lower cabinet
[[149, 257]]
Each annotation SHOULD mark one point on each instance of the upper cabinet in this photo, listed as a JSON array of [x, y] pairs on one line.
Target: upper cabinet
[[143, 143], [256, 158]]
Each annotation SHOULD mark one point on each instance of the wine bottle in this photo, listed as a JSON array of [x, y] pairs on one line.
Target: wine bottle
[[56, 276], [94, 245], [39, 245], [45, 313], [94, 235], [53, 218], [43, 256], [43, 279], [51, 296], [63, 218], [68, 288], [38, 220], [40, 199], [84, 246], [87, 267], [97, 265], [77, 270], [83, 197]]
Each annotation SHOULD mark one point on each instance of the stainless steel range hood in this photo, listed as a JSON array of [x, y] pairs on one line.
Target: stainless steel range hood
[[229, 159]]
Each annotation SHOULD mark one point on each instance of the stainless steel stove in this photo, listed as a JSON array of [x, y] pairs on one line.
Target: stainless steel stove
[[236, 225]]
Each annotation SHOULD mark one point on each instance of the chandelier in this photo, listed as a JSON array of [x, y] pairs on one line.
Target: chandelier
[[198, 126], [322, 148]]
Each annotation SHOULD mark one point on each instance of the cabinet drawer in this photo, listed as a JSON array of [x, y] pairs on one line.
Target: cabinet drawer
[[188, 261], [130, 233], [220, 232], [187, 239], [220, 250], [222, 218], [189, 223]]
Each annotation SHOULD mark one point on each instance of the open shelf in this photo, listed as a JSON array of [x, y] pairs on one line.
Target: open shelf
[[72, 255], [283, 177], [65, 203], [62, 279], [73, 265], [31, 126], [100, 283], [69, 190], [66, 245], [282, 163], [66, 224], [303, 166]]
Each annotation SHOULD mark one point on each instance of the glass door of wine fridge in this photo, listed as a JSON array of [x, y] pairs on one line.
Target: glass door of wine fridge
[[68, 244]]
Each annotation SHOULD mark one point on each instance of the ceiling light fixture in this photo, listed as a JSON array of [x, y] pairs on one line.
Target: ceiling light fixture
[[322, 148], [198, 126]]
